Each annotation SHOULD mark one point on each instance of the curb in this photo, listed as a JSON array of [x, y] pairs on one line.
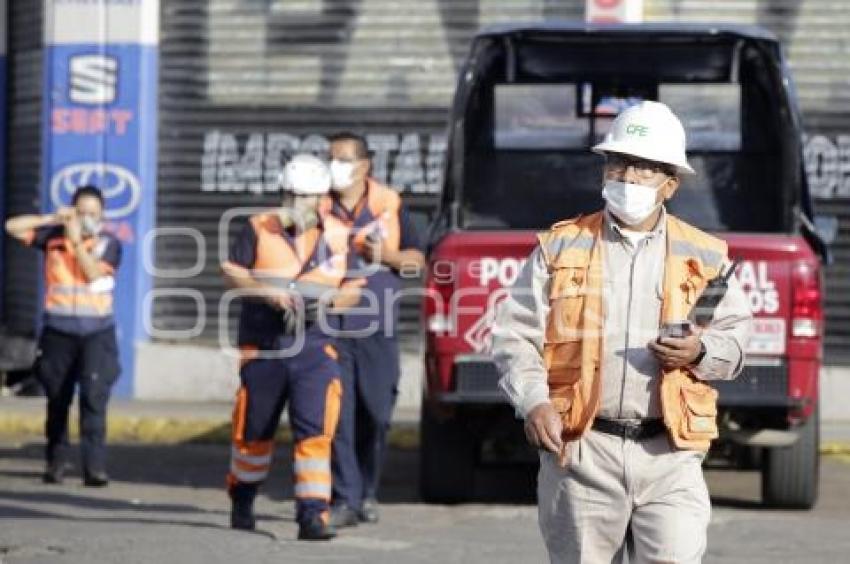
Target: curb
[[170, 430], [835, 448]]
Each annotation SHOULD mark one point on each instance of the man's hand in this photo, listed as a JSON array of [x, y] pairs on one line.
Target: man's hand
[[348, 295], [73, 230], [67, 217], [279, 299], [543, 428], [63, 215], [374, 250], [675, 353]]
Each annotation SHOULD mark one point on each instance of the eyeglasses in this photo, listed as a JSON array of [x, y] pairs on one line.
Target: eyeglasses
[[644, 168]]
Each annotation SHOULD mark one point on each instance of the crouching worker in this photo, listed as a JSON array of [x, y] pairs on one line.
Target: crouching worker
[[289, 265], [77, 346]]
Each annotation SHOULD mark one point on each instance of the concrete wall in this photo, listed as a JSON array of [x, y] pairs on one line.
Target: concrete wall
[[196, 373], [834, 393]]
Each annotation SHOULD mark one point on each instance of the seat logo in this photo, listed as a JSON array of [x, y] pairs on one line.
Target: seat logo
[[92, 79]]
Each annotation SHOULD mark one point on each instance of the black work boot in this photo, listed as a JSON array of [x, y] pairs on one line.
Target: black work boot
[[95, 479], [342, 515], [369, 512], [242, 506], [316, 528], [55, 472], [56, 454]]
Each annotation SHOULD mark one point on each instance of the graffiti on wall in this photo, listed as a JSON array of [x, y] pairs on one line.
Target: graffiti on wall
[[828, 166], [410, 162], [413, 162]]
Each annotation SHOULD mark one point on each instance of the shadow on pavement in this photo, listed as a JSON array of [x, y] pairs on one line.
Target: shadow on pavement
[[204, 466], [194, 465], [15, 512], [97, 503]]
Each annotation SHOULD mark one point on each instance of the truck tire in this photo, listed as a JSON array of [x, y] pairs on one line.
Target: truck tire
[[789, 477], [447, 453]]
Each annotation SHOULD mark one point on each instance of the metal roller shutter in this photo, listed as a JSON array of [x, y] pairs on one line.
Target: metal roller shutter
[[23, 157], [245, 84]]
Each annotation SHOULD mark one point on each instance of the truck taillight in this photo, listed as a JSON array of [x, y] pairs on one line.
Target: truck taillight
[[437, 308], [806, 307]]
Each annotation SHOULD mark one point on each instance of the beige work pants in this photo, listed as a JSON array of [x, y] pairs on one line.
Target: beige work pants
[[616, 497]]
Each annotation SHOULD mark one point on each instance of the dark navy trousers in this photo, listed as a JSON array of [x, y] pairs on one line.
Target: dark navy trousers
[[369, 368], [308, 382], [64, 363]]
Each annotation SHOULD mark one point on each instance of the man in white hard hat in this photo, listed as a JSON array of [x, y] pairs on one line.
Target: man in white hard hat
[[283, 260], [616, 401]]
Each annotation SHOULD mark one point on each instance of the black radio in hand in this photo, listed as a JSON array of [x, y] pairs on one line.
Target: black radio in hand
[[711, 296]]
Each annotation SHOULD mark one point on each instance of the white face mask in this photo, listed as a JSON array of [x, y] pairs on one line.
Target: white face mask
[[89, 225], [342, 175], [630, 203], [304, 205]]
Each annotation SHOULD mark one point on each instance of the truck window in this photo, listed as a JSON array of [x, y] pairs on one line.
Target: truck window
[[711, 114], [537, 167], [538, 117]]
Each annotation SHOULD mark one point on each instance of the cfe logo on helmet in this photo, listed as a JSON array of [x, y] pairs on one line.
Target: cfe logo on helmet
[[637, 129]]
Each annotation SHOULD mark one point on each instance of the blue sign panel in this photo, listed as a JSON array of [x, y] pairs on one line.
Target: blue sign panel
[[100, 129]]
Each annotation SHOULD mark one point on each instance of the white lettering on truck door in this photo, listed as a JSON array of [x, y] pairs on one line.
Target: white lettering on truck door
[[760, 290]]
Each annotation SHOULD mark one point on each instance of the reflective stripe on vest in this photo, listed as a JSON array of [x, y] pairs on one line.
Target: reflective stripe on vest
[[67, 290], [574, 328]]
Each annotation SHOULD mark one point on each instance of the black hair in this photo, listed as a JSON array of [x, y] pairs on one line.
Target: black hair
[[87, 190], [362, 149]]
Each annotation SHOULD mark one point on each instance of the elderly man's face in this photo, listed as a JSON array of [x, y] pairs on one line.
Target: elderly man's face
[[634, 170]]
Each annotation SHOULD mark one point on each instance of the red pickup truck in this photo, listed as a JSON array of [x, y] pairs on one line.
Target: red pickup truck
[[530, 102]]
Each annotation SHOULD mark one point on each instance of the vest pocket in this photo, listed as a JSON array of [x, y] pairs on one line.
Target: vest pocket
[[562, 397], [566, 303], [699, 409], [567, 282], [563, 362], [563, 401], [562, 347]]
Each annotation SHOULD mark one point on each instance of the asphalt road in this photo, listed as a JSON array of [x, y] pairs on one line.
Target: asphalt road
[[166, 504]]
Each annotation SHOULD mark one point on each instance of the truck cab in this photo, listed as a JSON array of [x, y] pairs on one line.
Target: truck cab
[[530, 103]]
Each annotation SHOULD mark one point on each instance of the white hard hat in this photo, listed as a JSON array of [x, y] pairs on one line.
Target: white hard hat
[[306, 175], [648, 130]]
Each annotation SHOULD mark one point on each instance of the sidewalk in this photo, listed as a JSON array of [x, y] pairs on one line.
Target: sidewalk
[[170, 422]]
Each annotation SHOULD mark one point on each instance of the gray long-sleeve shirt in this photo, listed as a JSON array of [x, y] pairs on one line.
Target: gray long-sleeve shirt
[[633, 271]]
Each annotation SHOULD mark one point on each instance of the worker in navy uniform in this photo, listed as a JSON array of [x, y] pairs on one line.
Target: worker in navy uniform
[[387, 247], [77, 346], [291, 263]]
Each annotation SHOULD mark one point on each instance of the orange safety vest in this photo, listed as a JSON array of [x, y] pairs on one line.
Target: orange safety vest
[[575, 326], [278, 258], [382, 204], [67, 291]]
